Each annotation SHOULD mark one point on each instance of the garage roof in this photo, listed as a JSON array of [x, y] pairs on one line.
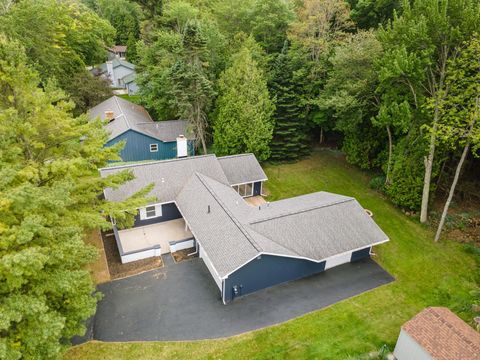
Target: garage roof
[[313, 227]]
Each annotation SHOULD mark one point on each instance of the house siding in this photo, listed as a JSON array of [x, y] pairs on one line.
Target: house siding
[[360, 254], [267, 271], [169, 212], [137, 147]]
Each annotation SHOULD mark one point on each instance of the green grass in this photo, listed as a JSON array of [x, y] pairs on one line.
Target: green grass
[[426, 273], [136, 99]]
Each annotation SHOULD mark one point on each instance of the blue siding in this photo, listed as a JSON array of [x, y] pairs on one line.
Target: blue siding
[[169, 212], [360, 254], [137, 147], [268, 271]]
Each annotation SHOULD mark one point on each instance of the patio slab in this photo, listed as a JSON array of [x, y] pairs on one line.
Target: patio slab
[[156, 234]]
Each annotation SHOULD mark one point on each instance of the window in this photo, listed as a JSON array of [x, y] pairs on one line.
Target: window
[[153, 147], [150, 212], [244, 190]]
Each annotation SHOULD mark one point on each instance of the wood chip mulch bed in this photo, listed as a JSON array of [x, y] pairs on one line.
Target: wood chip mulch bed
[[119, 270], [182, 255]]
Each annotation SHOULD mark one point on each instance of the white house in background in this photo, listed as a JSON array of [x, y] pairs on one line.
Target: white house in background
[[120, 73], [436, 333]]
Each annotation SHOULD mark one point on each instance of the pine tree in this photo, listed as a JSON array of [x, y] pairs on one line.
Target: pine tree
[[244, 109], [289, 141], [49, 196]]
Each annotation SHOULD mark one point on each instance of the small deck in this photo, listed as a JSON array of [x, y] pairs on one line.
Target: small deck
[[255, 200], [149, 236]]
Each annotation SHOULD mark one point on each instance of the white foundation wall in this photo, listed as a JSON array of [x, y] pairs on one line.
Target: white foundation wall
[[141, 255], [182, 245], [203, 255]]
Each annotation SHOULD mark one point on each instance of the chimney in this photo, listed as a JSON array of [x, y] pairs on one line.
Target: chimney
[[182, 146], [111, 74], [109, 115]]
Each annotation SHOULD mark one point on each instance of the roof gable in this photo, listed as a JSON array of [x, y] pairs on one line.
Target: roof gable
[[242, 168]]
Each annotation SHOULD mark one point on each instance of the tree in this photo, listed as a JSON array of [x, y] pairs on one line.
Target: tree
[[349, 98], [429, 33], [244, 110], [124, 16], [289, 135], [460, 110], [369, 14], [86, 91], [49, 189]]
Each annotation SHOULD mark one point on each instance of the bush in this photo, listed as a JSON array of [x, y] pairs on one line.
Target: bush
[[377, 183]]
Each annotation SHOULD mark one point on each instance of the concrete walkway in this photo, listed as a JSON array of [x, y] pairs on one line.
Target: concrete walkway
[[182, 302]]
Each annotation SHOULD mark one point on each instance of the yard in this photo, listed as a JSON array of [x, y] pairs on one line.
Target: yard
[[426, 273]]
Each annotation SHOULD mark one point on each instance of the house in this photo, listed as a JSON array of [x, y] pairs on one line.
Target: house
[[437, 333], [120, 73], [145, 139], [200, 203], [117, 51]]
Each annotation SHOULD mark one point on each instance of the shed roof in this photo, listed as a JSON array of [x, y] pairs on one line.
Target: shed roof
[[130, 116], [444, 335], [250, 169]]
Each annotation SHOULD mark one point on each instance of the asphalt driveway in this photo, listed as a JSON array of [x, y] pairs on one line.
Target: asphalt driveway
[[181, 302]]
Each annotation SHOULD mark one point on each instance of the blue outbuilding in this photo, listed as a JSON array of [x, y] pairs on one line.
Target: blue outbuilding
[[144, 138]]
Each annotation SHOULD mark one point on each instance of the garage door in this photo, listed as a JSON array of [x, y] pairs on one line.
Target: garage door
[[338, 260]]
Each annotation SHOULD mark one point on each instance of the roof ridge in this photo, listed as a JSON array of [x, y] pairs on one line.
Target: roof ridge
[[236, 155], [303, 210], [115, 97], [156, 162], [228, 212]]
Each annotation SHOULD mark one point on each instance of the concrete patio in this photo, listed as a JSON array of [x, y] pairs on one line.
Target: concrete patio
[[148, 236]]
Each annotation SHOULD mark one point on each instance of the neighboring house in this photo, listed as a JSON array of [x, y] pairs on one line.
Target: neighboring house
[[117, 51], [145, 139], [199, 202], [120, 73], [437, 333]]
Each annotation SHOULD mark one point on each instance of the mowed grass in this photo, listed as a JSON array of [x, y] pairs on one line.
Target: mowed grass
[[426, 273]]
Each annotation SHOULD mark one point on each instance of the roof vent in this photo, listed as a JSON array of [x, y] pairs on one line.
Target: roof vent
[[208, 209], [109, 115]]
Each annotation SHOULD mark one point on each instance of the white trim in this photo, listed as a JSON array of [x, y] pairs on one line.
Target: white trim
[[302, 257], [248, 182], [156, 145]]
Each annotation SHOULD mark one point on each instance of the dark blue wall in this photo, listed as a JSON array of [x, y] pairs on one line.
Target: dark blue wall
[[137, 147], [360, 254], [268, 271], [169, 212], [257, 188]]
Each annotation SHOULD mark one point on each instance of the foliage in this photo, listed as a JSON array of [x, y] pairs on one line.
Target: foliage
[[369, 14], [290, 140], [377, 183], [49, 188], [86, 91], [123, 15], [244, 120]]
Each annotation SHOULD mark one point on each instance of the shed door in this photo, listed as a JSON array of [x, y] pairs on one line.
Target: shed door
[[338, 260]]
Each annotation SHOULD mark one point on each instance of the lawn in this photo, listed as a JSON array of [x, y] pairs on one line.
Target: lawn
[[426, 273]]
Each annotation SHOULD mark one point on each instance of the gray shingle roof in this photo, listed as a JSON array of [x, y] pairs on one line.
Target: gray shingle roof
[[242, 168], [315, 226], [130, 116], [169, 176]]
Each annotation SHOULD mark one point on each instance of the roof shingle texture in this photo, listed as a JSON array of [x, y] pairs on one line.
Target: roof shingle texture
[[444, 335], [313, 227], [250, 169], [130, 116]]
